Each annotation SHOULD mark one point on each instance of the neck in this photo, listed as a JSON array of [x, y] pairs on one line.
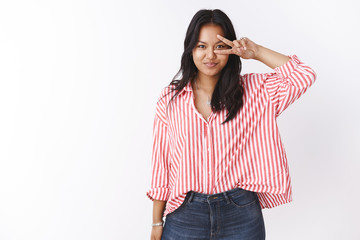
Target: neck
[[206, 83]]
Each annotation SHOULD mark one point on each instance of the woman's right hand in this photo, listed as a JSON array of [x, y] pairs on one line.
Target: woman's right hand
[[156, 233]]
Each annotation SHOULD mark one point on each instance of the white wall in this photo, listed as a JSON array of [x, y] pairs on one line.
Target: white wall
[[78, 86]]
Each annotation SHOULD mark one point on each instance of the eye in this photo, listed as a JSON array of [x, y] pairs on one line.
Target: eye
[[201, 46], [220, 46]]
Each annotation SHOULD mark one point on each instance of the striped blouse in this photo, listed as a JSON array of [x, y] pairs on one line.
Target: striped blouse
[[191, 153]]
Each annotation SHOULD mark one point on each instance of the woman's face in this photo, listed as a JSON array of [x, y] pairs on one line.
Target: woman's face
[[206, 61]]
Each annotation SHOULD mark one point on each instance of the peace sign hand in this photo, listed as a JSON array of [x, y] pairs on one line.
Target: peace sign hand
[[244, 48]]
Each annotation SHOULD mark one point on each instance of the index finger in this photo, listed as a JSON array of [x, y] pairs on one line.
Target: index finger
[[226, 51], [228, 42]]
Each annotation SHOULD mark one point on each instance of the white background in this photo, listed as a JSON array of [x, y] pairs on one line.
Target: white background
[[78, 86]]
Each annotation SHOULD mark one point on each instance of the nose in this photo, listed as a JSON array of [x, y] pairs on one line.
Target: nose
[[210, 53]]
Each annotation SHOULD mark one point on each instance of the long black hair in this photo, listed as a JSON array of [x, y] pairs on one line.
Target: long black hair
[[228, 92]]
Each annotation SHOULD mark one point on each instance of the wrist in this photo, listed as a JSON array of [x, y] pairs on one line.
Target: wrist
[[258, 52], [158, 224]]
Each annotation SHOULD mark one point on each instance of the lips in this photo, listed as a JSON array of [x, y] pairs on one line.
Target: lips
[[210, 64]]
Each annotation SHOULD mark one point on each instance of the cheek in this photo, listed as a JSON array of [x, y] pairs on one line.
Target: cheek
[[197, 56]]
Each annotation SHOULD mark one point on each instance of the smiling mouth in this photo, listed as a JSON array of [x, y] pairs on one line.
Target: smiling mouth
[[211, 64]]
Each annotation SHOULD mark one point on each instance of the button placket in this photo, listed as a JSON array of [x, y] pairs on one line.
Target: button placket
[[210, 160], [208, 148], [209, 138]]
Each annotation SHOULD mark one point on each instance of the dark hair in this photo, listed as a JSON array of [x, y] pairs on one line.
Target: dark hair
[[228, 92]]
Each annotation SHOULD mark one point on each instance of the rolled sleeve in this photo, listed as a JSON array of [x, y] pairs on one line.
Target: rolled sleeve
[[158, 194], [288, 83]]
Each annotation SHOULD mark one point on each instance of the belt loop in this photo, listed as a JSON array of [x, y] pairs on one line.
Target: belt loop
[[226, 197], [191, 196]]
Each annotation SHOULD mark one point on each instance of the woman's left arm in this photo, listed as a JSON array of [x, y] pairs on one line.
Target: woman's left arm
[[270, 58]]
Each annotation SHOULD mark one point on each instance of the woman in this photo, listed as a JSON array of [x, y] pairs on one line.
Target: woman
[[218, 159]]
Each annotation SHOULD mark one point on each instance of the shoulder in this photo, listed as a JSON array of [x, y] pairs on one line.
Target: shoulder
[[166, 90], [166, 93]]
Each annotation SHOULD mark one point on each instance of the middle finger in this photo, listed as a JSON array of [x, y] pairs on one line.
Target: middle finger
[[228, 42]]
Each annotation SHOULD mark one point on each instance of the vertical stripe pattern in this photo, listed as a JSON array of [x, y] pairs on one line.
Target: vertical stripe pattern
[[193, 153]]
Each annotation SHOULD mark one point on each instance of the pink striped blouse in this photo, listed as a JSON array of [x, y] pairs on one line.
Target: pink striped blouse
[[191, 153]]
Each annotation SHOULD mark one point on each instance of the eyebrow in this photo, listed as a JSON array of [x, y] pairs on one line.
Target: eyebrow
[[205, 42]]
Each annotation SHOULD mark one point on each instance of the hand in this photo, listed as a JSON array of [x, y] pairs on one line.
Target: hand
[[244, 48], [156, 233]]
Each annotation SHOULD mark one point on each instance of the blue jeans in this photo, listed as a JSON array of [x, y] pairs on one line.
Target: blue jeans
[[234, 214]]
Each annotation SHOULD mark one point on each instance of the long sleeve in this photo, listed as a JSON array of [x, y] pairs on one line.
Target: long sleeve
[[160, 157], [288, 83]]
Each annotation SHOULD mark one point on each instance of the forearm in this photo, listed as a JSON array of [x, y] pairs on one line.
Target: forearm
[[270, 58], [158, 210]]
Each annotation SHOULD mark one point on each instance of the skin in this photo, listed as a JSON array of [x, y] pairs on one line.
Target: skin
[[215, 48], [158, 210]]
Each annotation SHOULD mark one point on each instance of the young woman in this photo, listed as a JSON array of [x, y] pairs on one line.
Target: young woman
[[218, 159]]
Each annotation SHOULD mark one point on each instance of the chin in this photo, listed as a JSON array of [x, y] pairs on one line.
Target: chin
[[210, 73]]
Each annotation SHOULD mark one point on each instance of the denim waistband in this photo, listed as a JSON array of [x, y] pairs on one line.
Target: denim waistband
[[202, 197]]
